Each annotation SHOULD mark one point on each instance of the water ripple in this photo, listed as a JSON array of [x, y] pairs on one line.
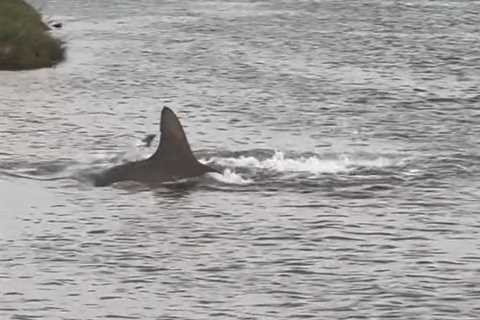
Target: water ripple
[[347, 134]]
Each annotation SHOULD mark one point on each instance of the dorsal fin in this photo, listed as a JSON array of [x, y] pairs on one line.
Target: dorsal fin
[[173, 145]]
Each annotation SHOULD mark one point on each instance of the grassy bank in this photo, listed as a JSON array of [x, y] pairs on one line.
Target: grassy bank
[[25, 42]]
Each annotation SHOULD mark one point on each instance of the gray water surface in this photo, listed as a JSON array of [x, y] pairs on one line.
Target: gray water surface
[[348, 133]]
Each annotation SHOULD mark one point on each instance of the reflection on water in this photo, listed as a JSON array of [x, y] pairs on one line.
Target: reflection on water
[[347, 135]]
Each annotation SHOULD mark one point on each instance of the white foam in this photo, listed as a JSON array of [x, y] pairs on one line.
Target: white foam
[[312, 164], [230, 177]]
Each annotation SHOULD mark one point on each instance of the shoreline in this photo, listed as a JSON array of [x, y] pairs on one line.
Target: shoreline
[[25, 41]]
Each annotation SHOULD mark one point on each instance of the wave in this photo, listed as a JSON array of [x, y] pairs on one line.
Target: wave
[[312, 164], [242, 168], [230, 177]]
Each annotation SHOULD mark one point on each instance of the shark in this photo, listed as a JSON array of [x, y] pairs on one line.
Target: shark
[[173, 160]]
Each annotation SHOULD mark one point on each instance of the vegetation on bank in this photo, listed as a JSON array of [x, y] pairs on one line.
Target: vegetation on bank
[[25, 42]]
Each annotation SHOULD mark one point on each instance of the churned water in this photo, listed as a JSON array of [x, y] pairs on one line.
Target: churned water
[[348, 134]]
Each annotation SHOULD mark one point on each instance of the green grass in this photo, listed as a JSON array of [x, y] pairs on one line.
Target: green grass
[[24, 40]]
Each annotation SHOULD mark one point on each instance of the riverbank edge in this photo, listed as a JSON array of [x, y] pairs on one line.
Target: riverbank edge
[[25, 40]]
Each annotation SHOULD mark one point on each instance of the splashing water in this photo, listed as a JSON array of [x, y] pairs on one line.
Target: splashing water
[[230, 177], [312, 164]]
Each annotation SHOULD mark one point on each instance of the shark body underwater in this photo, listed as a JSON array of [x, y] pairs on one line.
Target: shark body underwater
[[173, 159]]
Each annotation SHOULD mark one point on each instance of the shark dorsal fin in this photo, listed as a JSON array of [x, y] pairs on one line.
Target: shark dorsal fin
[[173, 147]]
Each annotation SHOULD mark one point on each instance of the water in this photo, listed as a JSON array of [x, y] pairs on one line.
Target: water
[[348, 134]]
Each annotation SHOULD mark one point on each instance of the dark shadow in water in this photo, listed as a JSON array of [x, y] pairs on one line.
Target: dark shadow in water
[[175, 193], [171, 190], [177, 189]]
